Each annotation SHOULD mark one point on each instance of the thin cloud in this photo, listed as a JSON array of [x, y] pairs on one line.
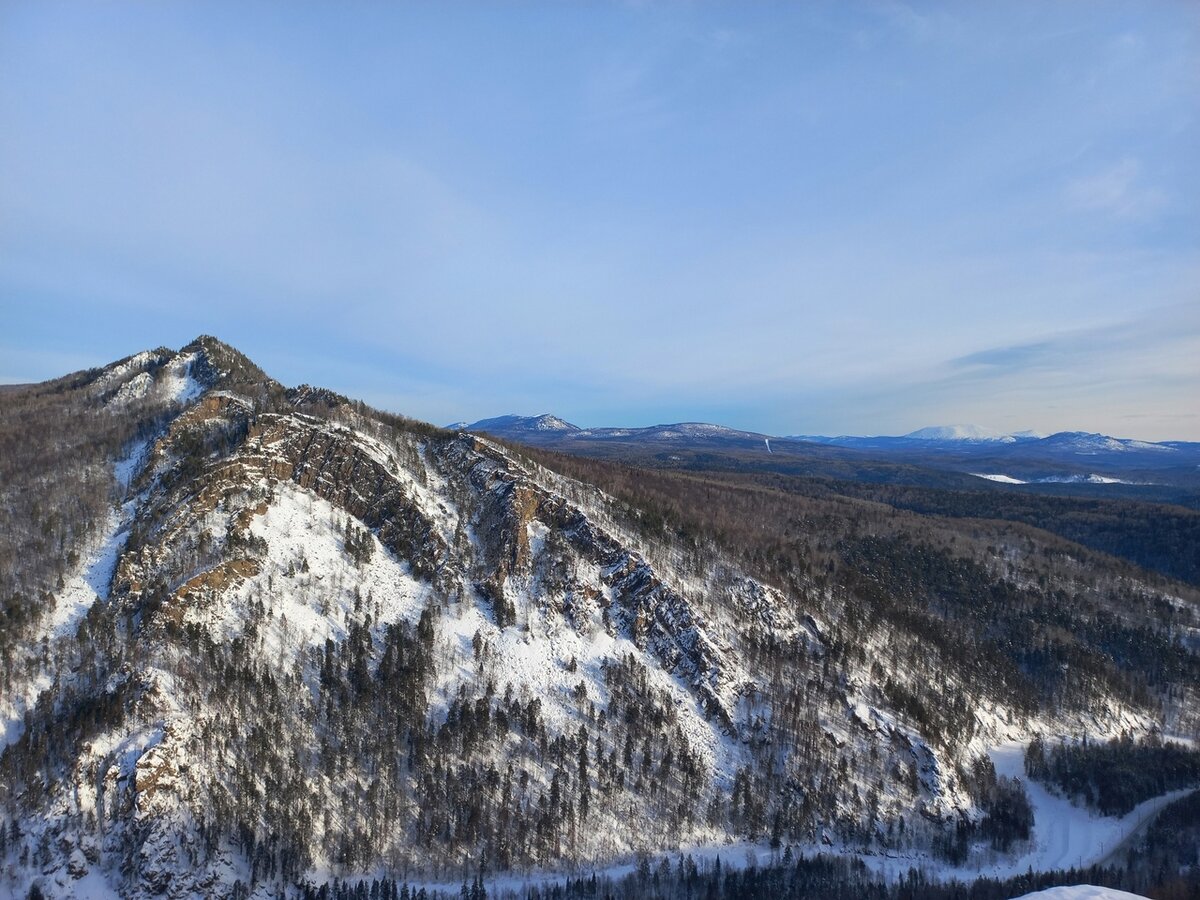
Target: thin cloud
[[1156, 340], [996, 359], [920, 26], [1118, 190]]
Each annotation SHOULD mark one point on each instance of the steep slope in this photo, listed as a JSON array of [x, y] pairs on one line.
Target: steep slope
[[327, 639], [69, 450]]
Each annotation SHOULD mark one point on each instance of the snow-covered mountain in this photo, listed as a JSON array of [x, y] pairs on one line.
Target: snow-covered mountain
[[1037, 457], [1090, 444], [517, 425], [551, 429], [963, 437], [931, 445], [970, 434], [958, 433], [263, 636]]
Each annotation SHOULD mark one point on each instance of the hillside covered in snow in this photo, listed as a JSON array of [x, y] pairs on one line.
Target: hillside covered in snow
[[267, 637]]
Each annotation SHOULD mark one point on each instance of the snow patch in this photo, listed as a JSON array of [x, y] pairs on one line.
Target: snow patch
[[135, 388], [177, 382], [118, 372], [1081, 892], [1067, 835], [1083, 479], [1056, 479]]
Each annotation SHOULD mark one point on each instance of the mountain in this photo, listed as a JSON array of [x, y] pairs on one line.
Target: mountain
[[971, 434], [255, 638], [954, 458], [958, 433], [1085, 443], [511, 426], [972, 438], [1060, 456], [1070, 457], [547, 429]]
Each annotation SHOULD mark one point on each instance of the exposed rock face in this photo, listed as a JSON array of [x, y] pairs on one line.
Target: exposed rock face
[[335, 466], [361, 477], [644, 608]]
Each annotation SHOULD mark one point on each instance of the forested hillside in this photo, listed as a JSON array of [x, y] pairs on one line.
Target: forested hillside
[[260, 637]]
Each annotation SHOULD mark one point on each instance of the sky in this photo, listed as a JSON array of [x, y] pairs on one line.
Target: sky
[[809, 218]]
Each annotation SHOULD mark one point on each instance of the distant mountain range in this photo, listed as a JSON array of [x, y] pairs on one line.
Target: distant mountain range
[[550, 429], [934, 435], [966, 437], [1014, 458]]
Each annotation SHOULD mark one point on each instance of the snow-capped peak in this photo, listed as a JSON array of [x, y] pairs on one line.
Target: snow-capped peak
[[547, 422], [957, 433]]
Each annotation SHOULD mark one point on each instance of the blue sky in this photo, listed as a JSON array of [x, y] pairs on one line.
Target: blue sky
[[803, 218]]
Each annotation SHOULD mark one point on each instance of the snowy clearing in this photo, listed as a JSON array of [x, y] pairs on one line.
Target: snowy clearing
[[1064, 835], [1067, 835]]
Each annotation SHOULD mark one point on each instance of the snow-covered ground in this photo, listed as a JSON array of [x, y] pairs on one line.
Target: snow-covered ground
[[1067, 835], [177, 381], [1056, 479], [310, 606], [1081, 892], [1064, 835], [737, 856], [173, 382]]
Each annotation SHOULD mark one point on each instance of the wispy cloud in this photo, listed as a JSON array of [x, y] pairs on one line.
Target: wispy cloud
[[1140, 370], [1120, 190], [922, 26], [1151, 343], [998, 359]]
